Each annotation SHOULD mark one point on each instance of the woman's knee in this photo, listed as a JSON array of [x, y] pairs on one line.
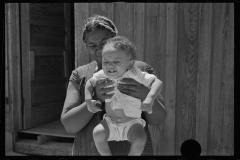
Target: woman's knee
[[99, 134]]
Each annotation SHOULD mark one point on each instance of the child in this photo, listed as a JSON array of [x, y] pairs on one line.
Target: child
[[122, 120]]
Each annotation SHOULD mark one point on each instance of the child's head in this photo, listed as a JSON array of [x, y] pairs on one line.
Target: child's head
[[118, 56]]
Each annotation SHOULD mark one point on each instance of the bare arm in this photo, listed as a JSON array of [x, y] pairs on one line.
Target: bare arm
[[155, 89], [91, 104], [74, 115], [158, 115]]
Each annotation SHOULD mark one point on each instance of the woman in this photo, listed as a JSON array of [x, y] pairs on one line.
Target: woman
[[75, 116]]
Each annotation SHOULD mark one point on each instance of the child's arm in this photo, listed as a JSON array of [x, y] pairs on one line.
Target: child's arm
[[91, 104], [155, 90]]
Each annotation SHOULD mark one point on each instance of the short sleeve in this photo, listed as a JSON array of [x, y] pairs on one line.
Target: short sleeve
[[147, 79], [78, 74], [74, 76], [145, 67]]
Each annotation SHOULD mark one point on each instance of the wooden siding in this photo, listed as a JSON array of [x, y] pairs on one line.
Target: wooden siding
[[13, 94], [191, 48]]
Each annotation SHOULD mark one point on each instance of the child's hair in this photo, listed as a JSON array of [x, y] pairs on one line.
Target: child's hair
[[122, 43], [100, 22]]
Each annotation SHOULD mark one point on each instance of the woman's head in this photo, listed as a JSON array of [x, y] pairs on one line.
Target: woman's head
[[118, 56], [96, 31]]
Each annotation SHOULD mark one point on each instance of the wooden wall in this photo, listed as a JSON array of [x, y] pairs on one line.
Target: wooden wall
[[13, 95], [191, 48]]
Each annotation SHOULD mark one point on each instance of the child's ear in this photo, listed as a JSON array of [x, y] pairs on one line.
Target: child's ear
[[131, 63]]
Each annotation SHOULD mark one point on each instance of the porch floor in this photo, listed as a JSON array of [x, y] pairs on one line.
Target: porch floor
[[48, 139], [54, 128]]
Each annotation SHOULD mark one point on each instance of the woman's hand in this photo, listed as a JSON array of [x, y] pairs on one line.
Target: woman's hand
[[133, 88], [101, 90]]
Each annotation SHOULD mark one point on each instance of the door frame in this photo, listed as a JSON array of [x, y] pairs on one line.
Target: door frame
[[26, 79]]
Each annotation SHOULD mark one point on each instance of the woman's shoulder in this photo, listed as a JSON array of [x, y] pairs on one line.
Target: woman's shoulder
[[140, 64], [143, 66], [79, 72]]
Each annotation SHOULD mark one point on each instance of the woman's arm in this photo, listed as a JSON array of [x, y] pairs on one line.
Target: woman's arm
[[74, 115]]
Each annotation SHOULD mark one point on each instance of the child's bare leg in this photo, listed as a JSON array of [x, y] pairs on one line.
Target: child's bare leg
[[100, 136], [137, 138]]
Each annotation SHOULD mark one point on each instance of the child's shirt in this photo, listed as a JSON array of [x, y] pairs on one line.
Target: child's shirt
[[130, 105]]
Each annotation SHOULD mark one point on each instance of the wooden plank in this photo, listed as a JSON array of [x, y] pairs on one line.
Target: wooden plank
[[228, 83], [155, 37], [203, 77], [81, 14], [221, 111], [54, 128], [155, 52], [139, 25], [45, 10], [47, 35], [46, 94], [69, 25], [15, 94], [49, 81], [31, 147], [103, 9], [187, 63], [25, 46], [32, 65], [168, 135], [39, 115], [43, 139], [11, 153], [49, 65], [47, 14], [124, 20], [8, 115], [47, 50]]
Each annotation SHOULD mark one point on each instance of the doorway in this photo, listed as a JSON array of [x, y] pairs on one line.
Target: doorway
[[47, 47]]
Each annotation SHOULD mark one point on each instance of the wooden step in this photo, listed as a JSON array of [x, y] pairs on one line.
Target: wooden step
[[50, 148], [11, 153], [54, 128]]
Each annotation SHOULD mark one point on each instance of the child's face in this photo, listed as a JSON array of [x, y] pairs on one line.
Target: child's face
[[114, 62]]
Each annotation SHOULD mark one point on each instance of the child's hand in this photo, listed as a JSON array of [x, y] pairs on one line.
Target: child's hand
[[147, 105], [92, 106]]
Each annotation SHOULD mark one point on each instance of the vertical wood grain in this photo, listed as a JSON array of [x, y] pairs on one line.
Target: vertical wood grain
[[170, 80], [81, 14], [187, 73], [228, 82], [155, 55], [155, 45], [8, 114], [221, 111], [139, 23], [203, 77], [103, 9], [123, 19], [25, 48], [15, 95], [32, 65], [190, 46]]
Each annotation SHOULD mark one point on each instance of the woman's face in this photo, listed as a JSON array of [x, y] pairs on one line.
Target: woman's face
[[115, 62], [95, 41]]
